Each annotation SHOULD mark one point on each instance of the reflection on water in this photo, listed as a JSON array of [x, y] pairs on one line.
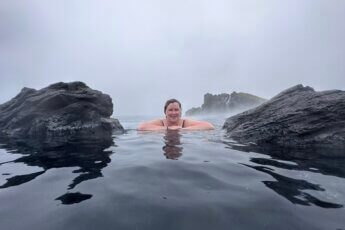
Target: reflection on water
[[214, 184], [73, 198], [172, 148], [90, 158], [294, 190]]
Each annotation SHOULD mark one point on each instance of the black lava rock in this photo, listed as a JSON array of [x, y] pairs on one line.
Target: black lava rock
[[223, 103], [298, 117], [59, 113]]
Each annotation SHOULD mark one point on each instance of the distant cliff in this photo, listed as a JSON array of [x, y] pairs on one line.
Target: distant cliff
[[224, 102]]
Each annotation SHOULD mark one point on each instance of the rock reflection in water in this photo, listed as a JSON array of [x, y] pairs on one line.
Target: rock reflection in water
[[295, 190], [72, 198], [172, 148], [91, 158], [292, 189]]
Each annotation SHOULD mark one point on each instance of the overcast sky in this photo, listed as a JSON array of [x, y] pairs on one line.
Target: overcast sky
[[142, 53]]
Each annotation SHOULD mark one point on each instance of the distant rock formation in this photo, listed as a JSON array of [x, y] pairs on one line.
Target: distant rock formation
[[224, 102], [298, 117], [59, 113]]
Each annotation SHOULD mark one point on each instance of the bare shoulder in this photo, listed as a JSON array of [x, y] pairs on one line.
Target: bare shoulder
[[151, 125], [154, 122], [194, 124]]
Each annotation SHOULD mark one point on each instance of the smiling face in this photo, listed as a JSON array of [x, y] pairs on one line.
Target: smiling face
[[173, 113]]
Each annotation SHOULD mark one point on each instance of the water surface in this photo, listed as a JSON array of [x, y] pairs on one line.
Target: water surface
[[169, 180]]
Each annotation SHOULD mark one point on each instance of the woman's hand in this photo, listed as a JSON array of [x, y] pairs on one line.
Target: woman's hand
[[175, 127]]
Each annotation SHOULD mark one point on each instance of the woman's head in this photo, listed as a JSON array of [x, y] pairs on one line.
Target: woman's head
[[173, 110], [170, 101]]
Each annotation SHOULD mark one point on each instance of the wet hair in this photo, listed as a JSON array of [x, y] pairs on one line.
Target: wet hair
[[168, 102]]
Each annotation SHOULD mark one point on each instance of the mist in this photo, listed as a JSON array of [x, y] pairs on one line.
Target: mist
[[142, 53]]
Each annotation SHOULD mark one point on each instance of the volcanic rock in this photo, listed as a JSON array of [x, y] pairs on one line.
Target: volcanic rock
[[223, 103], [59, 113], [298, 117]]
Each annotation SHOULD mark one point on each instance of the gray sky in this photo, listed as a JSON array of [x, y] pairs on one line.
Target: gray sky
[[142, 53]]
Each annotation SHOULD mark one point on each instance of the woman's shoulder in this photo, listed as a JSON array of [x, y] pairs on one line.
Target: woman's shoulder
[[154, 122], [197, 124], [188, 122]]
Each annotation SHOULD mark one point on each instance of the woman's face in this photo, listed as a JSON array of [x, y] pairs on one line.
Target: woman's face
[[173, 112]]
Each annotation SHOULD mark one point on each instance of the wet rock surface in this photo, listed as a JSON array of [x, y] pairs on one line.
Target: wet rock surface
[[223, 103], [298, 117], [58, 114]]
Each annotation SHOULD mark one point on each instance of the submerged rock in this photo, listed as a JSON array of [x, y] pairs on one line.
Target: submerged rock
[[298, 117], [59, 113], [224, 102]]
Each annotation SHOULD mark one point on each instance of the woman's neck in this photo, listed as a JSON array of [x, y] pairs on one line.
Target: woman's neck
[[171, 123]]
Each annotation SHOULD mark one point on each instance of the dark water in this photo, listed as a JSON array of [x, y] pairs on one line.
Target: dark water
[[169, 180]]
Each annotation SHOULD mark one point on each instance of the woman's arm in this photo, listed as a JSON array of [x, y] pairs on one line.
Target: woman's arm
[[197, 125], [151, 125]]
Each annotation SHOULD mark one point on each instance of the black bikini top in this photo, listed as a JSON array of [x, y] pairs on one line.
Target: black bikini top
[[182, 123]]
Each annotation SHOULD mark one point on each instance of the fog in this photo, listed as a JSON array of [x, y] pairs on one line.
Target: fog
[[142, 53]]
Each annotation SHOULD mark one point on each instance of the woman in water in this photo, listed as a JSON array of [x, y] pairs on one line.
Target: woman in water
[[173, 121]]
